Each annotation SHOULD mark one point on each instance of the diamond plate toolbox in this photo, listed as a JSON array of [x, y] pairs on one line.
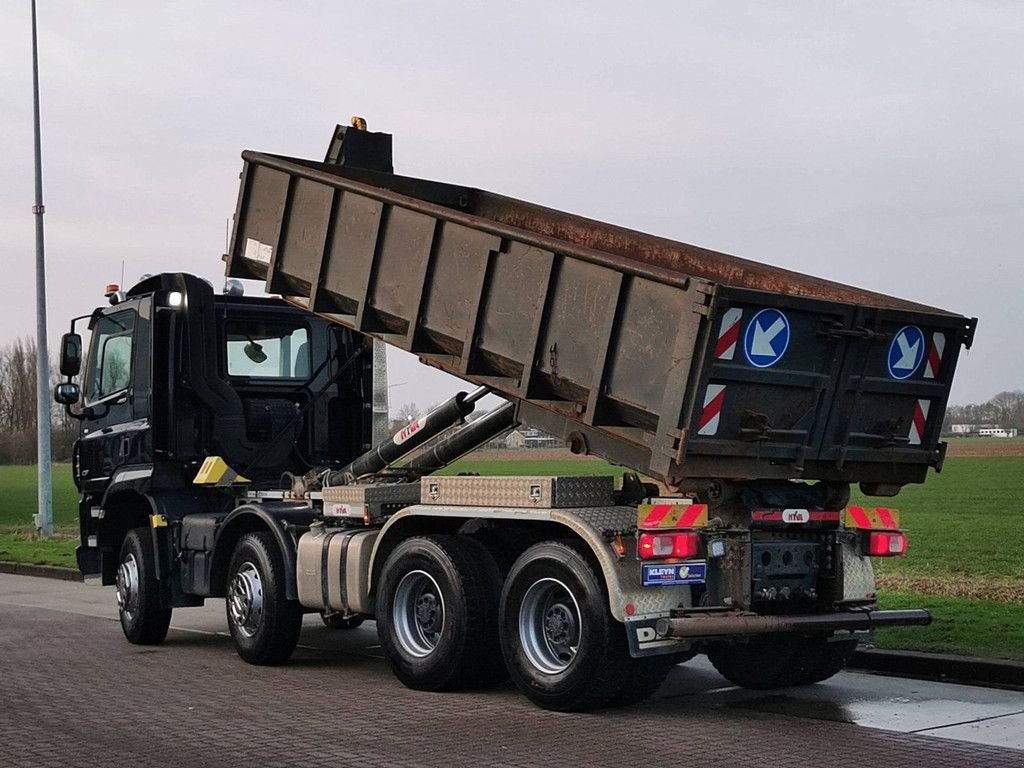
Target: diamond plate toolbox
[[540, 492], [358, 500]]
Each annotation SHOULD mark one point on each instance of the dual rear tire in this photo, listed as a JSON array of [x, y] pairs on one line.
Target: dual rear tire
[[561, 645], [442, 626], [767, 663]]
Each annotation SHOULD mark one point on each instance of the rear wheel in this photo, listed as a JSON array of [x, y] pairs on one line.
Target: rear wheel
[[436, 613], [562, 647], [264, 623], [779, 662], [138, 592]]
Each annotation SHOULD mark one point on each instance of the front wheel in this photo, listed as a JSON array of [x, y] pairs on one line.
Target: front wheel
[[780, 662], [143, 620], [562, 647], [264, 623]]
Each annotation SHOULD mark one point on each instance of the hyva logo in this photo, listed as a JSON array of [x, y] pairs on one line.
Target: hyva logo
[[795, 516]]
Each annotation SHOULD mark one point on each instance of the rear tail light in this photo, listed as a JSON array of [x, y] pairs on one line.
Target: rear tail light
[[887, 543], [663, 545]]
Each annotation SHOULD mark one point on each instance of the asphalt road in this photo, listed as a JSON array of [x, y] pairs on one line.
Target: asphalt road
[[74, 692]]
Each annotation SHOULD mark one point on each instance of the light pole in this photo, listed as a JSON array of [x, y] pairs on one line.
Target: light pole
[[44, 517]]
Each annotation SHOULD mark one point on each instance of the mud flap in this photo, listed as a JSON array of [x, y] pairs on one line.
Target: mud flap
[[644, 640]]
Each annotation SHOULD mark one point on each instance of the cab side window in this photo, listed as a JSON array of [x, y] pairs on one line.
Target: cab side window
[[109, 367], [267, 350]]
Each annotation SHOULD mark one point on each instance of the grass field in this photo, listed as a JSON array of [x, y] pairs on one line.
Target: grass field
[[965, 526]]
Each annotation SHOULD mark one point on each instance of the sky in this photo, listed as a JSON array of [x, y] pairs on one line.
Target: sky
[[877, 144]]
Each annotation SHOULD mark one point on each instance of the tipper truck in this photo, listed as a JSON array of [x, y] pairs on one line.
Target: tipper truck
[[226, 451]]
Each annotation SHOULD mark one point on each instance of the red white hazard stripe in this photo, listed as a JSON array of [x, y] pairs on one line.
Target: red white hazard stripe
[[876, 518], [711, 414], [920, 421], [728, 334], [689, 515], [934, 359]]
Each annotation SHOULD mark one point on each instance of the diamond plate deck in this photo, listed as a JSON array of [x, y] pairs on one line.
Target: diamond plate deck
[[531, 492]]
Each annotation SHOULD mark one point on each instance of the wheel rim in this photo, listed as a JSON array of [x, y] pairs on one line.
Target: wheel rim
[[245, 599], [418, 613], [550, 626], [128, 587]]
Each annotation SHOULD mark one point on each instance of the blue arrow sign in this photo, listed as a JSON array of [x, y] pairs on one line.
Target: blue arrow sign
[[906, 352], [766, 338]]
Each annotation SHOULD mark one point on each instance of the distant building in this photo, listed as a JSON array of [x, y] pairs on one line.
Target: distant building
[[963, 429], [530, 438], [997, 432]]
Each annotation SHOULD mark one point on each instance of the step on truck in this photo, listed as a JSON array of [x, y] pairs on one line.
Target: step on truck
[[226, 451]]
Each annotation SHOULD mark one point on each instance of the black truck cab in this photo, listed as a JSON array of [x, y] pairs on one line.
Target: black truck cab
[[176, 373]]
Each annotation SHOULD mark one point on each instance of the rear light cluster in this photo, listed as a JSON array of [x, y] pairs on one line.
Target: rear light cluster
[[887, 543], [663, 545]]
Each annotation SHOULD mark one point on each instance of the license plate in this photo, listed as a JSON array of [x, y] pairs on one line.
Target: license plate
[[666, 574]]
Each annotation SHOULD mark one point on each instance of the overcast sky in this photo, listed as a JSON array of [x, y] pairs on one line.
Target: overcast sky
[[879, 144]]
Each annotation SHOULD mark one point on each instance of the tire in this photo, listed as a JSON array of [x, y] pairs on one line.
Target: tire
[[436, 612], [143, 620], [338, 621], [264, 624], [780, 662], [646, 677], [562, 647]]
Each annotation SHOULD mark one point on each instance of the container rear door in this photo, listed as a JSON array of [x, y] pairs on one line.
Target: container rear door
[[893, 387], [766, 383]]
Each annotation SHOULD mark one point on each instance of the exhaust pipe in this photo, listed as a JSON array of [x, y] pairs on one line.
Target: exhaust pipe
[[748, 624], [409, 437]]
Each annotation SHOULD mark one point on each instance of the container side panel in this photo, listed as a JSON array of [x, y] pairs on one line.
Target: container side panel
[[642, 361], [399, 272], [261, 220], [345, 274], [300, 253], [512, 304], [583, 299], [453, 289]]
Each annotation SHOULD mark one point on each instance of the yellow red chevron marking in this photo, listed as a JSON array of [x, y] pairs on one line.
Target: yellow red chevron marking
[[215, 471], [654, 516], [872, 518]]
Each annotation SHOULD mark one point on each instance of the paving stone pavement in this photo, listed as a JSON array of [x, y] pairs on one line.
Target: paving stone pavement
[[73, 692]]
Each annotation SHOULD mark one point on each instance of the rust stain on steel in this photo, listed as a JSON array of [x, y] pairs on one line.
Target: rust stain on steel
[[637, 253], [678, 257]]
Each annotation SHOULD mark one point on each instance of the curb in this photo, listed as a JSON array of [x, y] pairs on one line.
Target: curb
[[943, 667], [44, 571]]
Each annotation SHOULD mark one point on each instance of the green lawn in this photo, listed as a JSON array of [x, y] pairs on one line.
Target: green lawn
[[965, 522], [18, 493], [26, 547], [968, 627]]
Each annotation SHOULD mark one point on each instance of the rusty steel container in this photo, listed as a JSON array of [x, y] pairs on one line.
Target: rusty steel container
[[682, 363]]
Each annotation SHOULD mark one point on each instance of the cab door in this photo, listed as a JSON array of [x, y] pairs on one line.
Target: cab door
[[115, 423]]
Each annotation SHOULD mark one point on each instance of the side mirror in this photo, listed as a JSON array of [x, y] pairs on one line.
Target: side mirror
[[67, 393], [70, 355]]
